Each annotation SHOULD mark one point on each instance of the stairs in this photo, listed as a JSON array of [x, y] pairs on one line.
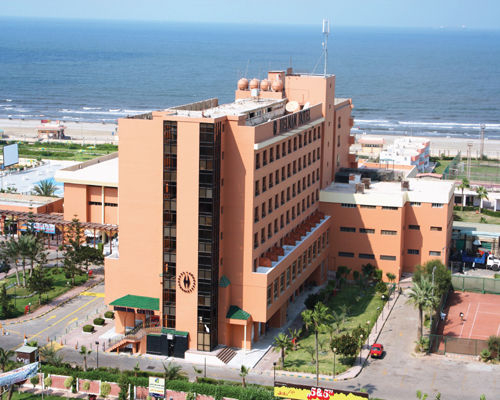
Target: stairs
[[226, 354]]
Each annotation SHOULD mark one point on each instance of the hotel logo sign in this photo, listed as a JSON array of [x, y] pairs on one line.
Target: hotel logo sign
[[291, 121], [186, 282]]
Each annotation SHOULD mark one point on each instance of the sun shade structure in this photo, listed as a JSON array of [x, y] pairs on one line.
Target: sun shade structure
[[141, 302], [235, 312]]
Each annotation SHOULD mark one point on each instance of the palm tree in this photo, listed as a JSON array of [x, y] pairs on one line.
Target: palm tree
[[294, 335], [10, 251], [25, 244], [5, 356], [243, 373], [84, 352], [173, 372], [282, 343], [464, 185], [482, 193], [45, 188], [422, 296], [50, 355], [314, 320]]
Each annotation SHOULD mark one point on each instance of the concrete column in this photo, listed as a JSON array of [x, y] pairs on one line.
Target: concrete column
[[463, 199]]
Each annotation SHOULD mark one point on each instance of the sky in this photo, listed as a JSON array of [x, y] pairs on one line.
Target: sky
[[475, 14]]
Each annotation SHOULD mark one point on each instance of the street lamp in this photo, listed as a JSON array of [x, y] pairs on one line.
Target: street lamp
[[274, 373], [97, 349], [360, 348], [368, 333], [334, 354], [376, 319]]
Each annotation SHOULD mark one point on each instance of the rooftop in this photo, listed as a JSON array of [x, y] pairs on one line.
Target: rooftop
[[25, 200], [101, 171]]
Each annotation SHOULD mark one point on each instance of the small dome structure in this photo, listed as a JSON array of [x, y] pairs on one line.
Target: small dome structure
[[243, 84], [265, 84], [254, 83], [277, 85]]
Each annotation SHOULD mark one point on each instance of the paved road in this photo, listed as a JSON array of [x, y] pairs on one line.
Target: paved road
[[398, 376]]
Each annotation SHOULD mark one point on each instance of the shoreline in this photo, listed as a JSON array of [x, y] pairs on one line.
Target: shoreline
[[26, 130]]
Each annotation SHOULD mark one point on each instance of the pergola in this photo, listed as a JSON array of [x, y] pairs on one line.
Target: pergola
[[57, 220]]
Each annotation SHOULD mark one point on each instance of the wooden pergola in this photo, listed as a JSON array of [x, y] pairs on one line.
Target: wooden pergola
[[57, 220]]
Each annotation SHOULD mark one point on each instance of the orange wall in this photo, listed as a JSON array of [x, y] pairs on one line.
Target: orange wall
[[77, 200], [341, 153]]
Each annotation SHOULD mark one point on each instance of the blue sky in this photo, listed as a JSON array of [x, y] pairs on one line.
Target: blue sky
[[477, 14]]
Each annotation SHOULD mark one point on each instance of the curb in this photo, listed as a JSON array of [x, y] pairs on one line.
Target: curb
[[55, 307]]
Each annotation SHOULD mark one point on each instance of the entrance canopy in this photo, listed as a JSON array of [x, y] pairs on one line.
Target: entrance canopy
[[141, 302]]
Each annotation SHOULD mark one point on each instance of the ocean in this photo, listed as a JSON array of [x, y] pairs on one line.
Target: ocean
[[402, 81]]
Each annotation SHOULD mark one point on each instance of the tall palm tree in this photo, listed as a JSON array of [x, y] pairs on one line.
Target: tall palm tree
[[10, 251], [464, 185], [422, 296], [282, 343], [482, 193], [45, 188], [243, 373], [314, 320], [50, 355], [84, 352], [5, 356], [26, 244]]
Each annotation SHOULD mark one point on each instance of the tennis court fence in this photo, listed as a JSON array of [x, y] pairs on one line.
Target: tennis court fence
[[475, 284], [442, 344]]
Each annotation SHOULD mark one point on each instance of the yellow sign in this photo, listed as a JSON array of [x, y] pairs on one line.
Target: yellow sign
[[313, 393], [156, 386]]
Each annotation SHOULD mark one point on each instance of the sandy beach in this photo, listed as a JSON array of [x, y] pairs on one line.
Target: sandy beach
[[106, 133]]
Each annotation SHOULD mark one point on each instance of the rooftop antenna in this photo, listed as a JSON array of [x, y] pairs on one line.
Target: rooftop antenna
[[326, 32]]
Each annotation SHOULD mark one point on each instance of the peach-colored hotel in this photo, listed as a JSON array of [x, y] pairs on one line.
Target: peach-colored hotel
[[228, 212]]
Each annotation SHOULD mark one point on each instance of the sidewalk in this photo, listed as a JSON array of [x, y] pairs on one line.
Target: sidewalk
[[56, 303]]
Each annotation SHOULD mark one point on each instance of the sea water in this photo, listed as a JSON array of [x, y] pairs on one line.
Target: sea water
[[402, 81]]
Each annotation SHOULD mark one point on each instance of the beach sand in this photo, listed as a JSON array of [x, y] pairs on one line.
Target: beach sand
[[106, 133]]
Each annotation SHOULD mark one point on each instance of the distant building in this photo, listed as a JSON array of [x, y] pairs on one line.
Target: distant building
[[407, 151], [51, 130], [370, 146]]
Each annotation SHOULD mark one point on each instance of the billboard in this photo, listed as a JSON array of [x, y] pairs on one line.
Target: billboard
[[300, 392], [39, 227], [18, 375], [156, 387], [10, 155]]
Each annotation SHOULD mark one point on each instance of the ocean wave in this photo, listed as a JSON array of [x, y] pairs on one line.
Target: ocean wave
[[92, 108]]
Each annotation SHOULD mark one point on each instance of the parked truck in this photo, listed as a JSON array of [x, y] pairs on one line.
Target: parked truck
[[482, 259]]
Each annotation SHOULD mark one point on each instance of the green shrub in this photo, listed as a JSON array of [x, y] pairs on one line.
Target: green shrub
[[109, 315], [88, 328], [35, 380], [491, 213], [47, 382], [381, 287], [311, 300], [494, 346], [485, 355], [68, 382], [99, 321], [86, 385], [105, 389]]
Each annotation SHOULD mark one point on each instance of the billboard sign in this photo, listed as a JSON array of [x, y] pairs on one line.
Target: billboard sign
[[18, 375], [39, 227], [300, 392], [156, 386], [10, 155]]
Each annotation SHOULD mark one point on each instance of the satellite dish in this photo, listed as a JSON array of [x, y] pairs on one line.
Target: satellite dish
[[292, 106], [306, 106]]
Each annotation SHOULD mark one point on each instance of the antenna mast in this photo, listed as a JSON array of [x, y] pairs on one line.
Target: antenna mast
[[326, 32]]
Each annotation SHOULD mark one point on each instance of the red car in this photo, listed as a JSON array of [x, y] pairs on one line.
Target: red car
[[377, 350]]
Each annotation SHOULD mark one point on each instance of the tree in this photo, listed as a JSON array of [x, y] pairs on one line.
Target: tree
[[72, 252], [464, 185], [342, 274], [5, 356], [442, 275], [294, 335], [6, 307], [314, 320], [40, 282], [346, 344], [50, 355], [482, 193], [173, 372], [84, 352], [282, 343], [243, 373], [91, 256], [137, 369], [10, 252], [26, 244], [45, 188], [421, 296], [123, 383]]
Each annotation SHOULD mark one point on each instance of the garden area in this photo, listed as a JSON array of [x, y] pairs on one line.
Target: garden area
[[472, 214], [338, 319]]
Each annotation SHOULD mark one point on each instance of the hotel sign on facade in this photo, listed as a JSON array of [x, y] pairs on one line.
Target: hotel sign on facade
[[291, 121], [300, 392]]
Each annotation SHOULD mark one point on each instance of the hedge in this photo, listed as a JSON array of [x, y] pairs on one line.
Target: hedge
[[99, 321], [109, 315], [88, 328], [235, 392]]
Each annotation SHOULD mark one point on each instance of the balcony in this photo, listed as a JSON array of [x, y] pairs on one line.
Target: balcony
[[292, 241]]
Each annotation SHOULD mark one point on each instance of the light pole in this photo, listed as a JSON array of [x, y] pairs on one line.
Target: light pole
[[274, 373], [97, 352], [368, 333], [360, 348], [334, 354], [433, 270], [376, 319]]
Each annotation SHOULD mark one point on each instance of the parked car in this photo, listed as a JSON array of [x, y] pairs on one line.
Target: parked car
[[4, 266], [377, 350]]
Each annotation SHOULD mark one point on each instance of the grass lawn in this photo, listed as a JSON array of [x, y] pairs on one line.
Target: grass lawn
[[497, 276], [441, 166], [363, 309], [472, 216], [60, 287], [31, 396]]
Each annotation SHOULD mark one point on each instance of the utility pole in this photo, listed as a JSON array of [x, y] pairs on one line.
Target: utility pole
[[469, 151], [326, 32], [483, 126]]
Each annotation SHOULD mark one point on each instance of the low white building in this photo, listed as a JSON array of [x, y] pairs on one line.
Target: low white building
[[407, 151]]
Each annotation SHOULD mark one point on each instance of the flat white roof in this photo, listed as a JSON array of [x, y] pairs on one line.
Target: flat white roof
[[100, 173], [389, 193]]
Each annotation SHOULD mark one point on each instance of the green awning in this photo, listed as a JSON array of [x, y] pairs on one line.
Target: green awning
[[235, 312], [224, 281], [141, 302], [173, 332]]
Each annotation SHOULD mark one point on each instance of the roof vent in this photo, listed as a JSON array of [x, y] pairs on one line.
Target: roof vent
[[360, 188], [405, 186], [366, 182]]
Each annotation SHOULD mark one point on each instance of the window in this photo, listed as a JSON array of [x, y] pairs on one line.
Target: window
[[367, 206], [414, 227], [437, 205], [256, 240], [263, 235], [282, 282], [338, 141], [278, 152], [264, 185], [257, 161], [269, 295], [257, 186], [347, 229], [346, 254], [339, 123], [263, 208], [95, 203], [288, 275], [366, 230], [275, 288], [348, 205], [270, 180], [436, 228], [389, 208], [294, 266], [386, 232], [264, 157], [367, 256], [415, 204], [388, 258], [413, 251], [434, 253]]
